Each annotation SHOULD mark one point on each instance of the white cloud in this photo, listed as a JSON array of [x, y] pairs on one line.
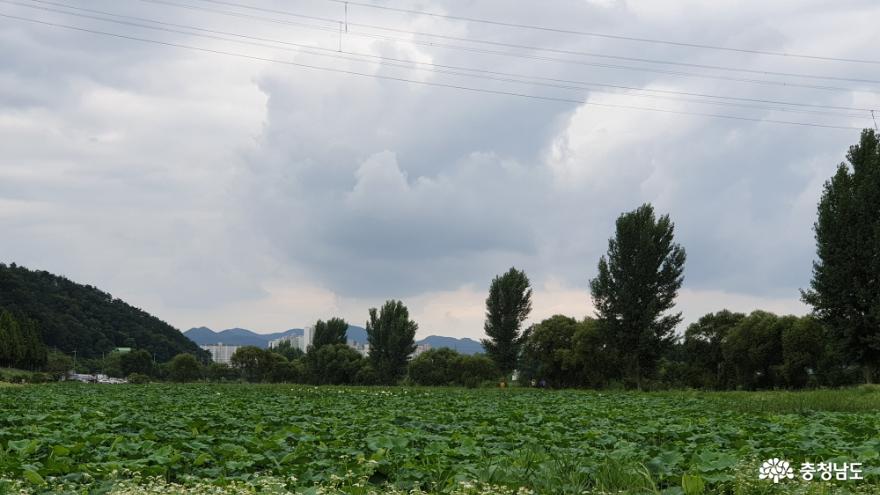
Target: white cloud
[[221, 191]]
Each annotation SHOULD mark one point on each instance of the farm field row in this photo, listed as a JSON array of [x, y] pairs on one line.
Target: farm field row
[[357, 440]]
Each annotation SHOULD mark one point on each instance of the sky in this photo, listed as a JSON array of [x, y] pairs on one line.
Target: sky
[[215, 177]]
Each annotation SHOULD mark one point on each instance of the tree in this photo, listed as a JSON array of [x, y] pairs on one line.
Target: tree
[[803, 347], [221, 372], [11, 351], [595, 359], [507, 307], [254, 363], [435, 367], [845, 290], [329, 333], [475, 370], [287, 350], [636, 285], [333, 364], [58, 365], [137, 361], [547, 347], [184, 368], [703, 349], [753, 350], [391, 336]]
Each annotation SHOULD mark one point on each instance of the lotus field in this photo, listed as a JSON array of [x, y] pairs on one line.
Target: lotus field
[[67, 438]]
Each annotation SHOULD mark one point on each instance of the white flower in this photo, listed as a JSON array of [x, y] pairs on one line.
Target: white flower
[[776, 469]]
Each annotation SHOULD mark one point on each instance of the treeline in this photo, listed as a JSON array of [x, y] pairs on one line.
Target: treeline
[[330, 361], [71, 317], [721, 351], [20, 343], [631, 342]]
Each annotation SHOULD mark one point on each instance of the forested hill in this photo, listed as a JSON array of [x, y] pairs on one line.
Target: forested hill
[[74, 317]]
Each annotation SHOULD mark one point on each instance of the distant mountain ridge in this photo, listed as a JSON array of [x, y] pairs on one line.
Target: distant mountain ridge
[[242, 336]]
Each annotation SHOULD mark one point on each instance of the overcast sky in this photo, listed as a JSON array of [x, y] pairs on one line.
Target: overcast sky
[[216, 190]]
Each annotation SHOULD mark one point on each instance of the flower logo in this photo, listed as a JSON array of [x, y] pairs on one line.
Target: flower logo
[[776, 469]]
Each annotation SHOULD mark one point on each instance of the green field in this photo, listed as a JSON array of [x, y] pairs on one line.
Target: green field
[[274, 438]]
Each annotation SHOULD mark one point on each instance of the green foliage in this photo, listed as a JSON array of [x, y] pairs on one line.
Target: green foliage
[[138, 378], [507, 307], [287, 350], [843, 291], [255, 364], [391, 335], [445, 367], [404, 440], [137, 361], [21, 344], [703, 350], [73, 317], [58, 364], [333, 364], [754, 348], [635, 287], [329, 333], [549, 354], [435, 367], [221, 372], [184, 368]]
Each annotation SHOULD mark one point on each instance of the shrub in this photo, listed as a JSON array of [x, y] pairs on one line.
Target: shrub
[[138, 378]]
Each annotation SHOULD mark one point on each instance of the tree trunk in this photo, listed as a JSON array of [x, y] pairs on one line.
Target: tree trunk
[[868, 371]]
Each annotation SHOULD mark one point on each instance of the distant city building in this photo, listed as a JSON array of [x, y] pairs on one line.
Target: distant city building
[[295, 341], [421, 348], [221, 353], [301, 342], [361, 347]]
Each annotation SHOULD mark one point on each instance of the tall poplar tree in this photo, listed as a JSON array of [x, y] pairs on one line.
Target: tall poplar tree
[[507, 307], [636, 286], [330, 332], [391, 336], [845, 289]]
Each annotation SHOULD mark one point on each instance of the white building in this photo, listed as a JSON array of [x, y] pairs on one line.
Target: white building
[[221, 353], [420, 349], [361, 347], [301, 342]]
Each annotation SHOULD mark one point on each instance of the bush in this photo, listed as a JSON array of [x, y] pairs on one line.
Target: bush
[[435, 367], [220, 372], [336, 364], [444, 367], [138, 378], [184, 368], [475, 370]]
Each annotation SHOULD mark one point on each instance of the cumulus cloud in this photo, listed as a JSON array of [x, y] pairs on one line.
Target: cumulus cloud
[[224, 191]]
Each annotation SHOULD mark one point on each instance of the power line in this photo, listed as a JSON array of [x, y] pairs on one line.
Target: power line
[[606, 35], [435, 68], [549, 50], [424, 83], [497, 52]]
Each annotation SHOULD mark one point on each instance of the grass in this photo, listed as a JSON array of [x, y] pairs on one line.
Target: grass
[[865, 398]]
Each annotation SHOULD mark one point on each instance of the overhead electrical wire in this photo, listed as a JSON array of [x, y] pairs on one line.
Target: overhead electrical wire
[[424, 83], [495, 52], [608, 36], [435, 68], [538, 48]]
